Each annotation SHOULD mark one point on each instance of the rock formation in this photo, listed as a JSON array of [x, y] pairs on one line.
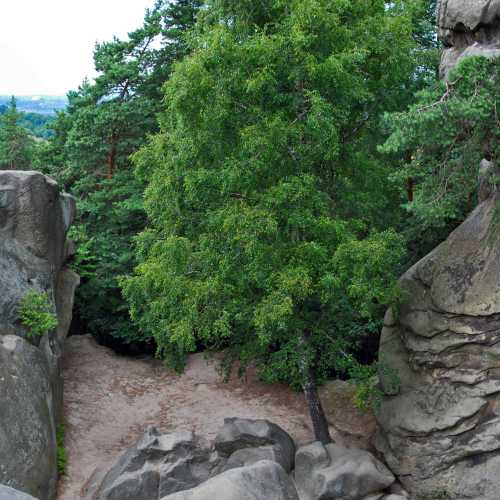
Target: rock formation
[[468, 28], [34, 219], [249, 459], [264, 480], [440, 428], [160, 465]]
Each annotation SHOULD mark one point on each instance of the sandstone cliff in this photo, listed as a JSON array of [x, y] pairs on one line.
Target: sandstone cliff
[[440, 430], [34, 220]]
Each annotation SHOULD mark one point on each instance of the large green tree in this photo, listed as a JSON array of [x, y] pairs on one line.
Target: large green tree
[[16, 144], [266, 196], [106, 121]]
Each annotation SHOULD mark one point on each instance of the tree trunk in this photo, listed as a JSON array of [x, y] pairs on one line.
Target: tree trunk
[[409, 190], [318, 418], [111, 159]]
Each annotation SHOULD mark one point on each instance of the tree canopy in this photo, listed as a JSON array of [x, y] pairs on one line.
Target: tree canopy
[[106, 121], [445, 135], [252, 179], [267, 197]]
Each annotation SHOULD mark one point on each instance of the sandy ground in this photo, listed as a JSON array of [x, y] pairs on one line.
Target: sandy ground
[[111, 399]]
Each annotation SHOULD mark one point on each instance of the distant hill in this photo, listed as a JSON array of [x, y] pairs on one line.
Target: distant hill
[[43, 105]]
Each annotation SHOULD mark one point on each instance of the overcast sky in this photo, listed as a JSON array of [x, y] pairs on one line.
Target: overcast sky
[[46, 46]]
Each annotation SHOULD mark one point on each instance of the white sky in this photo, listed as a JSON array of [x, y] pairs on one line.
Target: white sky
[[46, 46]]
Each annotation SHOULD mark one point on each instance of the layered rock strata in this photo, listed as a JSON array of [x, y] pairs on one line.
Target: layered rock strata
[[439, 426], [34, 219]]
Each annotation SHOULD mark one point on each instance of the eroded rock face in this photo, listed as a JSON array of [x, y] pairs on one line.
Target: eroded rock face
[[468, 28], [262, 481], [239, 434], [34, 220], [160, 465], [156, 466], [440, 430]]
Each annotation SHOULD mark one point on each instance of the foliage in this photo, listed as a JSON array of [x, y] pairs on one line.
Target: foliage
[[35, 123], [444, 136], [36, 313], [16, 144], [105, 122], [62, 456], [38, 125], [266, 195]]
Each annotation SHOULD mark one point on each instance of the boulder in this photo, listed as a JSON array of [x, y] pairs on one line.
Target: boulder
[[157, 465], [468, 28], [264, 480], [162, 464], [351, 427], [34, 219], [239, 433], [7, 493], [250, 456], [332, 472]]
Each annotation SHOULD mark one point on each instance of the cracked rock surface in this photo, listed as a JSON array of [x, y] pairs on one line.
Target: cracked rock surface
[[440, 430], [34, 219]]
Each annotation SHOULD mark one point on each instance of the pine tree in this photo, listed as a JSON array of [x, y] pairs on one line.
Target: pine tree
[[106, 121]]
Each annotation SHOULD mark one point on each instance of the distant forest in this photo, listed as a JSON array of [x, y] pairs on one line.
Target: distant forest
[[37, 112]]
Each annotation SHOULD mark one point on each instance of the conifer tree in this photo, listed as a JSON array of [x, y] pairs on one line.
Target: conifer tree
[[106, 121]]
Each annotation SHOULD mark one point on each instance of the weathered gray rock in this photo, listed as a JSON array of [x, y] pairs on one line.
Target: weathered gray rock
[[331, 472], [374, 496], [157, 465], [468, 28], [440, 431], [250, 456], [262, 481], [7, 493], [34, 219], [349, 425], [239, 433]]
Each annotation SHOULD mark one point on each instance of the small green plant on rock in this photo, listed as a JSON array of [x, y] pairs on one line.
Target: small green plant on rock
[[36, 314], [441, 495], [62, 456]]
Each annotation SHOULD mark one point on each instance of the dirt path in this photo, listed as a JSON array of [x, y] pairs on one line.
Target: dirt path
[[111, 399]]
